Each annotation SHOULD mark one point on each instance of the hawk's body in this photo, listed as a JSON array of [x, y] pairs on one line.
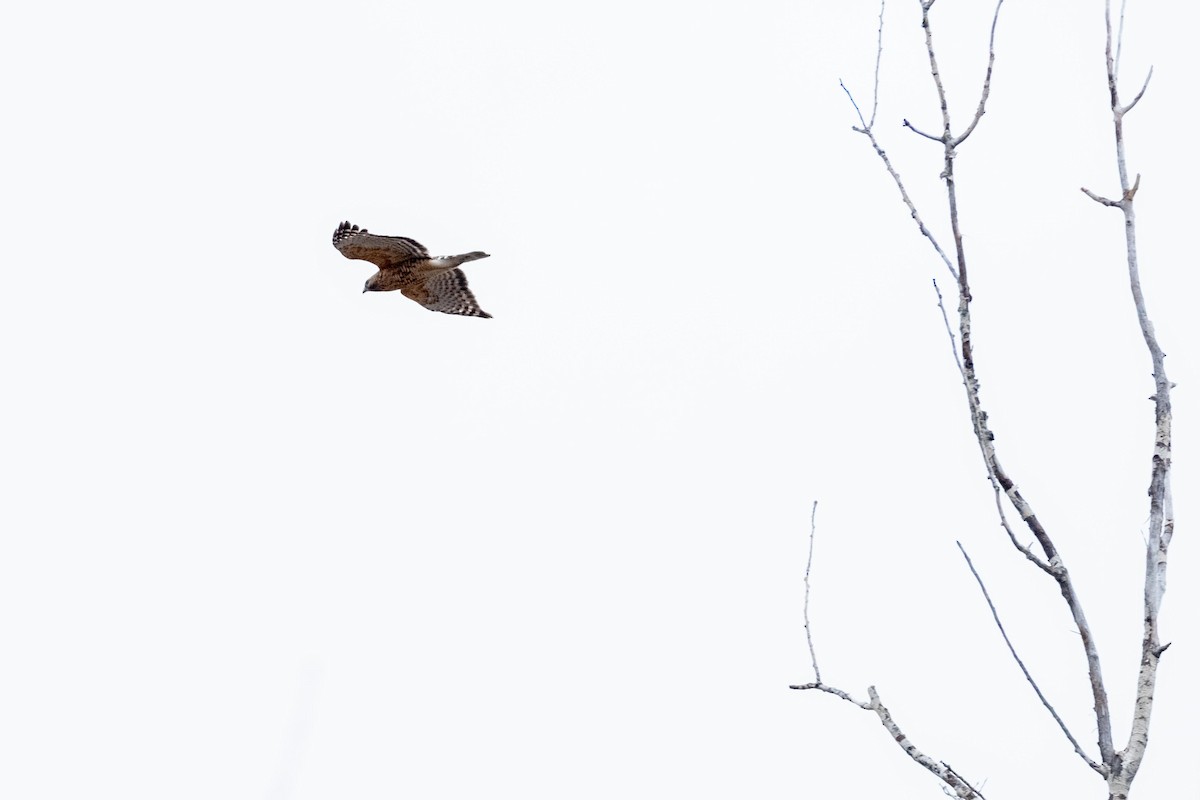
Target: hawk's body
[[435, 282]]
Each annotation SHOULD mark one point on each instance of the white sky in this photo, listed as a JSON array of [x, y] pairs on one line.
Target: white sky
[[269, 537]]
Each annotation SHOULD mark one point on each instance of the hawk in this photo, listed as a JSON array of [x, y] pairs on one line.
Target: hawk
[[435, 282]]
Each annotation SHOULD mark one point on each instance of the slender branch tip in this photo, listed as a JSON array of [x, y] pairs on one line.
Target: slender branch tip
[[1104, 201], [916, 130]]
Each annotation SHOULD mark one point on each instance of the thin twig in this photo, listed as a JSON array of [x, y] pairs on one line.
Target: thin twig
[[1127, 108], [945, 138], [869, 132], [865, 127], [820, 687], [949, 331], [812, 535], [987, 79], [878, 59], [1104, 201], [1120, 39], [1021, 664], [920, 132]]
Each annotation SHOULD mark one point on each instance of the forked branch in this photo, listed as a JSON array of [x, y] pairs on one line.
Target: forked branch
[[1050, 561], [987, 79], [955, 782], [868, 130], [944, 772], [1053, 563], [1162, 515], [1118, 767]]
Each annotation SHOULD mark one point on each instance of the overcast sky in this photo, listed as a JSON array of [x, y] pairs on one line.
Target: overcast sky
[[268, 537]]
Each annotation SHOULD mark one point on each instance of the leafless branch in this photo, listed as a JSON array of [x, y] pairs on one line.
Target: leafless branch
[[987, 79], [1021, 664], [878, 59], [1127, 108], [820, 687], [1132, 190], [1118, 767], [1104, 201], [947, 775], [1029, 554], [1128, 761], [949, 331], [944, 772], [812, 535], [920, 132], [1053, 561], [945, 138], [868, 130], [865, 127], [1120, 37]]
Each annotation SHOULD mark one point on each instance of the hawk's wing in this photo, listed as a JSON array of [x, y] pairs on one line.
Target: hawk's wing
[[382, 251], [446, 292]]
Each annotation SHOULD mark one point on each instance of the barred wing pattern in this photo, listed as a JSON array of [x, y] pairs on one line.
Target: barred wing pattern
[[447, 292], [382, 251], [406, 265]]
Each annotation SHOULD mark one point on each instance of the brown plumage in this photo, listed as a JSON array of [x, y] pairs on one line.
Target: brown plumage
[[435, 282]]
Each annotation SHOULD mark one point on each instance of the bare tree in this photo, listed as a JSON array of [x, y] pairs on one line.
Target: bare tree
[[1117, 767]]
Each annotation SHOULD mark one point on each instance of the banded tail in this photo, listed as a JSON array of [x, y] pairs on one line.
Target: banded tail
[[446, 262]]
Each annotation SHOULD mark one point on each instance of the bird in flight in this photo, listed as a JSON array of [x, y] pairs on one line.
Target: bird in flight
[[435, 282]]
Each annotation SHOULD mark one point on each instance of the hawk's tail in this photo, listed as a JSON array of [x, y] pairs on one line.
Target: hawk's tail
[[454, 261]]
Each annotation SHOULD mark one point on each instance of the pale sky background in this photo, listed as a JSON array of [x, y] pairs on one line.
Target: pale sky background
[[268, 537]]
